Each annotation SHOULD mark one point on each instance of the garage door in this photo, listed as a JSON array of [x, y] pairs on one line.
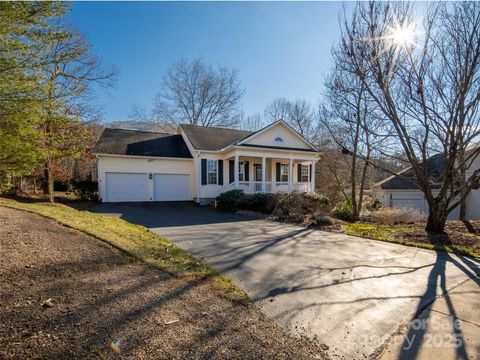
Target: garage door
[[408, 203], [126, 187], [172, 187]]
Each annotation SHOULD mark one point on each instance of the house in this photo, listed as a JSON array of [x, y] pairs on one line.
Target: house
[[401, 191], [199, 163]]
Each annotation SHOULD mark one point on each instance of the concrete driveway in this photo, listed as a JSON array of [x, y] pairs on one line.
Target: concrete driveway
[[350, 293]]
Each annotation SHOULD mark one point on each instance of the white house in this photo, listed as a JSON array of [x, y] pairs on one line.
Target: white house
[[199, 163], [401, 191]]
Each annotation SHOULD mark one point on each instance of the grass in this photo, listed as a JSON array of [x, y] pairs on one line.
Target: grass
[[386, 233], [138, 242]]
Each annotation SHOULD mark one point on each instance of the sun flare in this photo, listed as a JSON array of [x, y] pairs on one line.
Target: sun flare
[[403, 35]]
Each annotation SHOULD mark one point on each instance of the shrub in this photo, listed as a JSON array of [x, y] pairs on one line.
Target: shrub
[[86, 190], [344, 211], [261, 202], [320, 201], [62, 186], [373, 205], [293, 206], [392, 216], [320, 219], [229, 200]]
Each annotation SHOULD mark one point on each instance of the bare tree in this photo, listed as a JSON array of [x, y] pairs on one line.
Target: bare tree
[[252, 122], [70, 72], [199, 94], [299, 114], [141, 119], [277, 109], [427, 88]]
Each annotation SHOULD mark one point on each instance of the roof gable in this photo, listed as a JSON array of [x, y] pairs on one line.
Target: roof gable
[[406, 179], [278, 135], [141, 143]]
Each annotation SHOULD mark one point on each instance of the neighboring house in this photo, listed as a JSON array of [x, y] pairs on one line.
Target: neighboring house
[[199, 163], [401, 191]]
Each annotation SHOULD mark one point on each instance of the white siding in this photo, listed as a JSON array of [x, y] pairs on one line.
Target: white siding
[[408, 198], [473, 200], [267, 138], [211, 190], [130, 164]]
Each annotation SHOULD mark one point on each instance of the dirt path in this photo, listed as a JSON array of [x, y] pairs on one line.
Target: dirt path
[[108, 306]]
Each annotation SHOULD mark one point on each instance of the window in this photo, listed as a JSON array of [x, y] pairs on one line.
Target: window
[[212, 168], [283, 172], [305, 170], [241, 171], [278, 139]]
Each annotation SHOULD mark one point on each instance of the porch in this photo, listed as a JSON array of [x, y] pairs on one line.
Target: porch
[[270, 175]]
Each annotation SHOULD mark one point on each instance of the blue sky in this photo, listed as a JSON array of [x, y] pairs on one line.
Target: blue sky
[[279, 49]]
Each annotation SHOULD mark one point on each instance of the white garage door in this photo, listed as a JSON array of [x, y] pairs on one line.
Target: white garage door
[[126, 187], [408, 203], [172, 187]]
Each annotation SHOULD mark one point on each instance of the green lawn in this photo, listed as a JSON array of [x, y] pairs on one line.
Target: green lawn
[[139, 242], [387, 233]]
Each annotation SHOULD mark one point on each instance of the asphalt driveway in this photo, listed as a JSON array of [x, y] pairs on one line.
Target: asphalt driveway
[[350, 293]]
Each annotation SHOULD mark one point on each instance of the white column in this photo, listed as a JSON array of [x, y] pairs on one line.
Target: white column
[[235, 171], [313, 175], [264, 172], [290, 176], [199, 178]]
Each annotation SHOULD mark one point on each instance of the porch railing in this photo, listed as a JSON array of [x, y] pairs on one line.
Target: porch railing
[[252, 187]]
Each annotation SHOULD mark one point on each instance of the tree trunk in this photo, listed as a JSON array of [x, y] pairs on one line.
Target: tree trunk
[[49, 182], [436, 220], [45, 180], [463, 206], [464, 193]]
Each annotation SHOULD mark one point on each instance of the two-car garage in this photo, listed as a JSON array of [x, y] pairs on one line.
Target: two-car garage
[[143, 166], [138, 187]]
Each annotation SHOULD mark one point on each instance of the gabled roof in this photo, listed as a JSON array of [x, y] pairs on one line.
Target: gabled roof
[[212, 138], [215, 138], [141, 143], [406, 179], [282, 122]]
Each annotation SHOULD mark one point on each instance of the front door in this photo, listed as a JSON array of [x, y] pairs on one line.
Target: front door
[[258, 172]]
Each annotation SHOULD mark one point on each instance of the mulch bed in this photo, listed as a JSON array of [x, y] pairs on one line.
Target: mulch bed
[[457, 234], [66, 295]]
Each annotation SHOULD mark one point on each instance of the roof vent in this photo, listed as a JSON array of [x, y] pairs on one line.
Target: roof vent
[[278, 139]]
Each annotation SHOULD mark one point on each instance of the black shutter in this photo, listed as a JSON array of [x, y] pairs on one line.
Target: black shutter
[[310, 173], [246, 167], [278, 171], [204, 171], [220, 172], [231, 169], [299, 173]]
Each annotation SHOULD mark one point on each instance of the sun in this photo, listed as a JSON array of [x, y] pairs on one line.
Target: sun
[[403, 35]]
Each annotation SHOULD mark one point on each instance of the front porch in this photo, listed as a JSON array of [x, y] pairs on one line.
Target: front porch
[[270, 174]]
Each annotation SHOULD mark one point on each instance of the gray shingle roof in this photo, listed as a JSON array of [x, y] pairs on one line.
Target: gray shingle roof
[[141, 143], [407, 179], [212, 138]]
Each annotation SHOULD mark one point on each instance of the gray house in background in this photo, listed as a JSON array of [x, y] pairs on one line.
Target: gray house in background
[[401, 191]]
